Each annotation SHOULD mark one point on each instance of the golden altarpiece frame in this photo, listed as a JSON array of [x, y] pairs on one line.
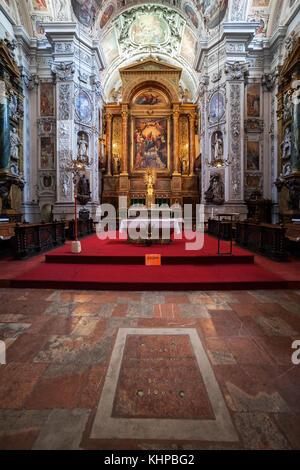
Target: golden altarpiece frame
[[150, 128]]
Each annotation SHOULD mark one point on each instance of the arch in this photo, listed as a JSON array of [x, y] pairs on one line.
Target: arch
[[159, 83]]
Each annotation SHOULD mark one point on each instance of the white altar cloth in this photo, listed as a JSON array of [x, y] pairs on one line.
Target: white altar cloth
[[155, 223]]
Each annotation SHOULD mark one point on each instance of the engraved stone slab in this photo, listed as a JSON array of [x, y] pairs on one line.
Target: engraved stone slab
[[212, 422]]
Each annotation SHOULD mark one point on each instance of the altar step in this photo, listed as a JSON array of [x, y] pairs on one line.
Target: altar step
[[149, 278], [116, 265], [140, 260], [119, 252]]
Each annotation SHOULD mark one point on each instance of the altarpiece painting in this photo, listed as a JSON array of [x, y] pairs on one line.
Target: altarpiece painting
[[150, 149]]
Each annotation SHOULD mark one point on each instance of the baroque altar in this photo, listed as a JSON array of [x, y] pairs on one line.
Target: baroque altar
[[150, 128]]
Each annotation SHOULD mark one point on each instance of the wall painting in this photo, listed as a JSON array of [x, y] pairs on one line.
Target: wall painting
[[192, 15], [106, 16], [217, 106], [252, 156], [110, 46], [47, 99], [188, 46], [47, 153], [83, 106], [150, 98], [253, 100], [150, 149]]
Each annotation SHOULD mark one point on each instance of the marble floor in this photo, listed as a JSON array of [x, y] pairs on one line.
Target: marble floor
[[149, 370]]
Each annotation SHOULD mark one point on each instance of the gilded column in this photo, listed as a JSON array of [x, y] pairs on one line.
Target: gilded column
[[108, 118], [192, 142], [4, 127], [175, 140], [125, 141]]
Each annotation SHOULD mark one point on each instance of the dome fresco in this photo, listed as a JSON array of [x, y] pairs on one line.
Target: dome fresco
[[149, 29]]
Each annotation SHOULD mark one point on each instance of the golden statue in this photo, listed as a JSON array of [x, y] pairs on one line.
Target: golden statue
[[150, 178]]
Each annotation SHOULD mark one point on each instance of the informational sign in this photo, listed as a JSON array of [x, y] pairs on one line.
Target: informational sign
[[153, 260]]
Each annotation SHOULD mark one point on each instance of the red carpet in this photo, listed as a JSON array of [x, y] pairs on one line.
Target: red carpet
[[123, 271], [95, 251], [129, 277]]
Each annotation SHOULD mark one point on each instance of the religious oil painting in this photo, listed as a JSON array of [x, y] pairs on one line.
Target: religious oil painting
[[150, 149], [150, 98], [110, 46], [188, 46], [47, 153], [192, 15], [212, 11], [86, 10], [149, 29], [252, 156], [83, 106], [39, 5], [46, 99], [253, 181], [253, 100], [217, 106], [106, 16]]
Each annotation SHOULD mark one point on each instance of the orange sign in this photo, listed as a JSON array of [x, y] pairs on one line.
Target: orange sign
[[153, 260]]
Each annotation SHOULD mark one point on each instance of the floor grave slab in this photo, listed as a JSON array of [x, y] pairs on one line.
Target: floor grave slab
[[161, 385]]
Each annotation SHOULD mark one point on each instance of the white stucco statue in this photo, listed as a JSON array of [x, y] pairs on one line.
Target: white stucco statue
[[286, 144], [15, 143], [218, 146], [82, 149]]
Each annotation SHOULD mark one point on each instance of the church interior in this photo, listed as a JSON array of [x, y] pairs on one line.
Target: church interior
[[150, 225]]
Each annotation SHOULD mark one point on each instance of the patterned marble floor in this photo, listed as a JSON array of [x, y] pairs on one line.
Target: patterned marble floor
[[171, 363]]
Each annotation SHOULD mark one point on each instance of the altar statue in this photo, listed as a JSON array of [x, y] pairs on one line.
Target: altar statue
[[150, 178]]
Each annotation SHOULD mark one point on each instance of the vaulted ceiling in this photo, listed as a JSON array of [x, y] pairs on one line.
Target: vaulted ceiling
[[132, 30]]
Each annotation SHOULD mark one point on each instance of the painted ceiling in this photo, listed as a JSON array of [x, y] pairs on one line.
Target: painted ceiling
[[132, 30]]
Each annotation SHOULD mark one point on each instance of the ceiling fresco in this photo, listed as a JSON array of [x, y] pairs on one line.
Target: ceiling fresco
[[132, 30]]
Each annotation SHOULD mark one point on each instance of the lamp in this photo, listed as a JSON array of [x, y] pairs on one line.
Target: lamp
[[75, 167]]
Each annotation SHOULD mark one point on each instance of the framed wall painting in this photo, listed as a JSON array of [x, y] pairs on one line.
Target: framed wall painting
[[150, 149], [253, 156], [46, 99], [106, 16], [253, 182], [47, 153], [217, 106], [151, 98], [253, 100], [83, 106]]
